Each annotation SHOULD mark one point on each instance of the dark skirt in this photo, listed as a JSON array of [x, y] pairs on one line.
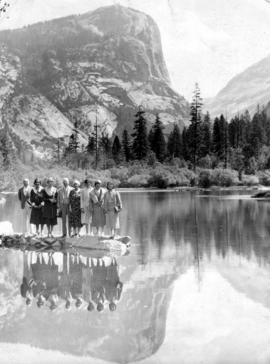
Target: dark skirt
[[49, 212], [36, 217], [75, 210]]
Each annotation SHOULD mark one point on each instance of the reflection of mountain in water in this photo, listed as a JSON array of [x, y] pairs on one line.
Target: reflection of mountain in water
[[135, 330], [171, 232]]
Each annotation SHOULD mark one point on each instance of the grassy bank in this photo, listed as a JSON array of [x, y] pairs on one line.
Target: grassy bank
[[137, 175]]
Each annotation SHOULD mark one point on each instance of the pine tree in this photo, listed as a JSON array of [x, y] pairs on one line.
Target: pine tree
[[158, 144], [220, 141], [194, 127], [257, 135], [140, 145], [126, 146], [105, 146], [91, 145], [216, 138], [225, 142], [205, 134], [185, 144], [175, 143], [73, 146], [116, 149], [151, 138]]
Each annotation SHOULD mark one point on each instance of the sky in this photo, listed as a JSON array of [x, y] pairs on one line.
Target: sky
[[204, 41]]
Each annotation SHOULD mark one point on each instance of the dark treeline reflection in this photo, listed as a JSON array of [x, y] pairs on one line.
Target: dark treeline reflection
[[221, 223], [73, 280]]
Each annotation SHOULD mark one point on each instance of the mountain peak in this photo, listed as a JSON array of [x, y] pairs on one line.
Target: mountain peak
[[104, 63], [244, 91]]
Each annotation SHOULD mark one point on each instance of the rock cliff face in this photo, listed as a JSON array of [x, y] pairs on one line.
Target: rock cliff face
[[244, 92], [103, 64]]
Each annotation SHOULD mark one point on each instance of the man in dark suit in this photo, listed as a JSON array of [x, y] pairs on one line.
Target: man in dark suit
[[24, 198]]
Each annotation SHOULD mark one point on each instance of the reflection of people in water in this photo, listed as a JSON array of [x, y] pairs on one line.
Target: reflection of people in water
[[93, 282], [113, 286], [64, 283], [38, 275], [76, 280], [27, 282], [87, 275], [52, 283], [97, 288], [47, 278]]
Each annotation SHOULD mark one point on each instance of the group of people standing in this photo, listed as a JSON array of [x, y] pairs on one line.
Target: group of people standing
[[92, 207]]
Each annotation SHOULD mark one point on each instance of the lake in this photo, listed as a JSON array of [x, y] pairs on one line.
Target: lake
[[195, 287]]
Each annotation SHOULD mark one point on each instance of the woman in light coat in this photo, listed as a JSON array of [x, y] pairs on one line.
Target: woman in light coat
[[85, 205], [112, 206], [96, 208]]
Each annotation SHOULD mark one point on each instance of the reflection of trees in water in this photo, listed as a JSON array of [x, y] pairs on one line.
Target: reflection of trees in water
[[159, 234], [222, 224]]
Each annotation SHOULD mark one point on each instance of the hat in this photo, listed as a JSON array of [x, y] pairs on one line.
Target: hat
[[50, 179], [36, 181], [98, 181]]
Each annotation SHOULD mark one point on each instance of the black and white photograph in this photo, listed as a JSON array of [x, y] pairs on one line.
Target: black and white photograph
[[135, 181]]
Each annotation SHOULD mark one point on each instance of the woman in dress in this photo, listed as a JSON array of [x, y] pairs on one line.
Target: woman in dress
[[75, 209], [85, 205], [50, 206], [96, 207], [36, 200], [112, 207]]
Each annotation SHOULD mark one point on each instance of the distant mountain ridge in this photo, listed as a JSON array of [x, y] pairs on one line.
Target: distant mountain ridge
[[243, 92], [103, 64]]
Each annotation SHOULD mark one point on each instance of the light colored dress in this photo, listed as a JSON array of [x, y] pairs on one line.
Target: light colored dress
[[112, 206], [85, 205], [96, 207]]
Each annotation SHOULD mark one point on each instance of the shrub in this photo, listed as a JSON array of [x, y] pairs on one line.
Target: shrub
[[224, 177], [177, 162], [252, 166], [205, 178], [138, 180], [151, 159], [159, 180], [217, 177], [120, 173], [250, 180], [264, 177], [205, 162]]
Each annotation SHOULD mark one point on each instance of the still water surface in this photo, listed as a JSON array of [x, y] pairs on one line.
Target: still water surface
[[195, 288]]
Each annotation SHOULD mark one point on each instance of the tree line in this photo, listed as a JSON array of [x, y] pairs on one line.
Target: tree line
[[242, 144]]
